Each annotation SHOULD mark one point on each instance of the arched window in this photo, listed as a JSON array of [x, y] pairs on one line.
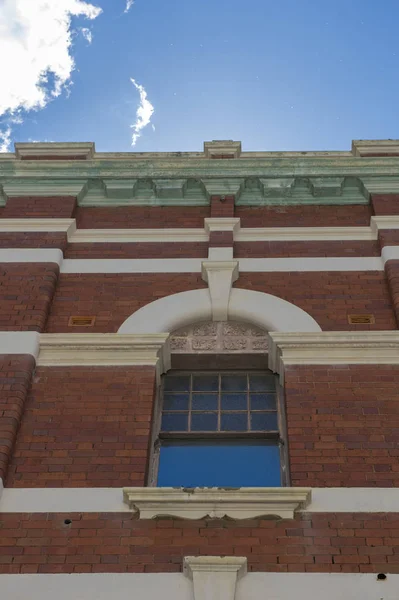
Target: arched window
[[220, 413]]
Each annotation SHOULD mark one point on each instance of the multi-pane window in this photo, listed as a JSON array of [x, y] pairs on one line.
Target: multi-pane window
[[219, 429]]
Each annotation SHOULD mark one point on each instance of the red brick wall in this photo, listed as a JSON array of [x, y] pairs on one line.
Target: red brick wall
[[112, 298], [26, 291], [306, 249], [85, 427], [15, 377], [329, 297], [304, 216], [60, 207], [33, 240], [118, 543], [343, 425], [138, 250], [120, 217], [385, 204]]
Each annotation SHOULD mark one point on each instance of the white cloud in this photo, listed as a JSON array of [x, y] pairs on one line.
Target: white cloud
[[5, 140], [143, 114], [129, 4], [36, 37], [87, 34]]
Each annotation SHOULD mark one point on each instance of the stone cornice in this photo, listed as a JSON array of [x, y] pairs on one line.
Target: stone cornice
[[198, 503], [26, 151], [104, 349], [332, 348]]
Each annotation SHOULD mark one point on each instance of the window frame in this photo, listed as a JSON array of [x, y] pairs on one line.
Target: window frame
[[279, 437]]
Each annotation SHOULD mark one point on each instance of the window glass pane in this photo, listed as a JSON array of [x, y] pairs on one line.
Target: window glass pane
[[260, 383], [219, 464], [234, 402], [234, 383], [204, 402], [175, 402], [263, 401], [204, 422], [264, 421], [177, 383], [205, 383], [234, 422], [174, 422]]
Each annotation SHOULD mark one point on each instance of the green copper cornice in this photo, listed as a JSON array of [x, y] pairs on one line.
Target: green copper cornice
[[254, 178]]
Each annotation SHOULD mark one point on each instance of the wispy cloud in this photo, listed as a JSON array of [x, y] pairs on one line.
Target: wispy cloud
[[129, 4], [143, 114], [87, 34], [5, 140], [36, 37]]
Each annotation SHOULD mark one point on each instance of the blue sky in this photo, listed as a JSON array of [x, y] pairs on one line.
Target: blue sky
[[287, 75]]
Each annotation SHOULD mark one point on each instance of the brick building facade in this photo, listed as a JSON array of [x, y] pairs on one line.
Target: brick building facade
[[199, 367]]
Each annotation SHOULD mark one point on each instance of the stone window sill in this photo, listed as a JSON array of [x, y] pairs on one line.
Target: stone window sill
[[197, 503]]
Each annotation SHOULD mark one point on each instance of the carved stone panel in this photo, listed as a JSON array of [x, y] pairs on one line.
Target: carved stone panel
[[219, 337]]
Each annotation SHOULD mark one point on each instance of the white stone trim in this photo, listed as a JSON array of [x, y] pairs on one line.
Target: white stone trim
[[221, 253], [213, 224], [220, 276], [38, 225], [175, 586], [197, 503], [214, 577], [60, 149], [193, 265], [70, 500], [104, 349], [178, 310], [332, 348], [31, 255], [390, 253], [139, 235], [19, 342], [304, 234]]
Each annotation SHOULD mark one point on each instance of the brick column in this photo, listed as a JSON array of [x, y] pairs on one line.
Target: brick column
[[15, 376], [388, 205]]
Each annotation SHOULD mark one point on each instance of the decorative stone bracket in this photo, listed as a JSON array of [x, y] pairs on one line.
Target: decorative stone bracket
[[214, 577], [198, 503], [220, 276]]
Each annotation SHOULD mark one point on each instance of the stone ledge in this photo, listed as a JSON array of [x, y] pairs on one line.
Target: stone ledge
[[217, 503]]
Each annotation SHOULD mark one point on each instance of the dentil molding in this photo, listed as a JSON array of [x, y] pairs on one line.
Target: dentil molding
[[217, 503]]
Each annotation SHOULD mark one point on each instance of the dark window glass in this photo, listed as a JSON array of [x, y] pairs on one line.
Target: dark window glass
[[175, 401], [174, 422], [234, 421], [263, 401], [177, 383], [264, 421], [204, 402], [234, 402], [205, 383], [234, 383], [204, 421], [260, 383]]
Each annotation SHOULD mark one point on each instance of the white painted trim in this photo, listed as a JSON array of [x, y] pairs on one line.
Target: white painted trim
[[139, 235], [175, 586], [222, 224], [303, 264], [332, 348], [19, 342], [31, 255], [193, 265], [70, 500], [220, 276], [198, 503], [390, 253], [214, 577], [221, 253], [384, 222], [304, 234], [132, 265], [178, 310], [35, 225], [104, 349]]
